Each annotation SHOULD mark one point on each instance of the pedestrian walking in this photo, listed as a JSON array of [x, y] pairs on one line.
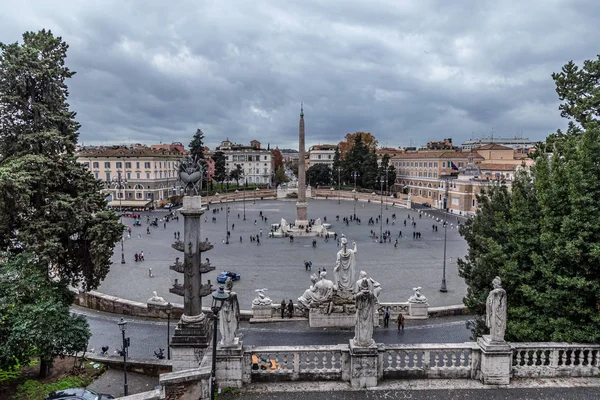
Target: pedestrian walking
[[290, 309], [136, 257], [142, 255], [282, 308], [386, 317], [400, 322], [178, 235]]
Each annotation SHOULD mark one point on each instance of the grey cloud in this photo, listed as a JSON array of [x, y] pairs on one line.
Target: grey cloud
[[405, 71]]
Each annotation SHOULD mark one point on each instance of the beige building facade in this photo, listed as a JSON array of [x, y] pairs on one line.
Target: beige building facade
[[255, 161], [148, 177]]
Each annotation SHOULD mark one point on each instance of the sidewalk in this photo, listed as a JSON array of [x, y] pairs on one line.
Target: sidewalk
[[111, 382], [446, 389]]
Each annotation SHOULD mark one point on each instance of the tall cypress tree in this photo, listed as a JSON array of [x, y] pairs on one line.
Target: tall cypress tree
[[50, 205]]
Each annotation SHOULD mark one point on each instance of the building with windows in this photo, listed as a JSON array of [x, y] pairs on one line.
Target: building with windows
[[513, 143], [255, 162], [148, 177], [426, 175], [321, 154]]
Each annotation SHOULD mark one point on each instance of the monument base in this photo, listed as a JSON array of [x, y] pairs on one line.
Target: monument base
[[189, 344], [318, 318], [363, 365], [229, 371], [495, 361], [418, 310], [262, 312]]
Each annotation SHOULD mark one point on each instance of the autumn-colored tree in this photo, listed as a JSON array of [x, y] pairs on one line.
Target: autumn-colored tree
[[346, 145], [277, 159]]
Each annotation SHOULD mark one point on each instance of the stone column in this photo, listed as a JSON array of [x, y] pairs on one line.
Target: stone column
[[192, 334], [496, 358]]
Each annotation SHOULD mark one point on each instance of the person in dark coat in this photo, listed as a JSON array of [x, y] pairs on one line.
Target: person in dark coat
[[282, 308], [290, 309]]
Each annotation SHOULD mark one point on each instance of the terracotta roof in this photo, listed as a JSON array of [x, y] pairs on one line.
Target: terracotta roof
[[497, 167], [492, 146], [443, 155], [127, 152]]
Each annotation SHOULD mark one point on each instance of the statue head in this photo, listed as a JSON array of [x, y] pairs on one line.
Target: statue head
[[362, 274], [364, 285], [228, 284], [154, 294], [497, 283], [323, 274], [344, 241]]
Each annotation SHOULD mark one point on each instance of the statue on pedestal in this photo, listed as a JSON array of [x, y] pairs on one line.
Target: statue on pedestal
[[229, 316], [345, 265], [319, 293], [495, 311], [417, 297], [261, 299], [366, 304]]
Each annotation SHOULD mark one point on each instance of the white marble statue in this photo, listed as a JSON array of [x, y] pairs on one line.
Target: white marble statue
[[262, 299], [495, 311], [318, 221], [283, 222], [373, 284], [320, 292], [345, 265], [229, 317], [156, 299], [417, 297], [366, 304]]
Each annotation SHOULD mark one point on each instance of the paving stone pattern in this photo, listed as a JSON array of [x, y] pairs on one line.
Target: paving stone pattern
[[278, 264]]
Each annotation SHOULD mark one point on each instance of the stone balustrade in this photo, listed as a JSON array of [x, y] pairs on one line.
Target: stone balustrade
[[293, 363], [545, 360], [452, 360]]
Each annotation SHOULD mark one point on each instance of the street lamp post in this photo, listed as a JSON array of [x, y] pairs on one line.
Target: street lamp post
[[339, 194], [386, 184], [381, 213], [219, 297], [355, 175], [123, 326], [245, 187], [226, 214], [118, 182], [168, 310], [443, 288]]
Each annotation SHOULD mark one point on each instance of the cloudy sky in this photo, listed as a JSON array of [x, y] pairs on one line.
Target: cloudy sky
[[406, 71]]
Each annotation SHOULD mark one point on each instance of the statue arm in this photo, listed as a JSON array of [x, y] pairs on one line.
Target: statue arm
[[355, 248], [337, 263]]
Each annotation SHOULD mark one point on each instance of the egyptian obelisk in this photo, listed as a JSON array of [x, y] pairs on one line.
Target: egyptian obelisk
[[301, 205]]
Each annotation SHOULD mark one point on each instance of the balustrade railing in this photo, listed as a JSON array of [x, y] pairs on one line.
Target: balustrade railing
[[452, 360], [555, 359], [296, 363]]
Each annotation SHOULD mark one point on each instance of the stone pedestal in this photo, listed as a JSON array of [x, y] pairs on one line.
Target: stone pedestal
[[363, 365], [495, 361], [418, 310], [229, 365], [189, 344], [262, 312], [318, 318]]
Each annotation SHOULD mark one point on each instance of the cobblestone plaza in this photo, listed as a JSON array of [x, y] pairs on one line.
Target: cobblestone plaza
[[278, 265]]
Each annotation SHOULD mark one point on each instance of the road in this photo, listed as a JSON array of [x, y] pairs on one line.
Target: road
[[147, 334]]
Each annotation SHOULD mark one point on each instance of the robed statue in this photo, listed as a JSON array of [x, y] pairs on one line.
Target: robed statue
[[495, 311], [345, 265], [229, 316], [366, 303], [319, 293]]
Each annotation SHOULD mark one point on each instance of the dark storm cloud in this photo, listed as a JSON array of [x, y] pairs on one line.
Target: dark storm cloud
[[405, 71]]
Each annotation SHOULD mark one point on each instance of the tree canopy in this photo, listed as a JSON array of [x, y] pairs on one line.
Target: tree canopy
[[319, 174], [543, 237], [220, 166]]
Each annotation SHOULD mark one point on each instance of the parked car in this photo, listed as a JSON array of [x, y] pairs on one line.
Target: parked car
[[222, 277], [262, 363], [137, 223], [168, 205], [77, 393]]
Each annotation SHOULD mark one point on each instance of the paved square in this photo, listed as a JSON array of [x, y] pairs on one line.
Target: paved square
[[278, 265]]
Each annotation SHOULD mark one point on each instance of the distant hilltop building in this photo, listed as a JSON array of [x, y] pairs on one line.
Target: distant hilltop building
[[445, 144], [321, 154], [175, 146], [513, 143]]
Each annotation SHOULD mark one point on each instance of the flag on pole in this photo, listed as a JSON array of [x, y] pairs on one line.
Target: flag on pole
[[454, 167]]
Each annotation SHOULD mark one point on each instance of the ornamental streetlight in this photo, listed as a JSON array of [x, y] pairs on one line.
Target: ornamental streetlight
[[355, 175], [386, 183], [169, 310], [226, 214], [339, 171], [381, 213], [119, 183], [123, 327], [446, 179], [245, 187], [219, 298]]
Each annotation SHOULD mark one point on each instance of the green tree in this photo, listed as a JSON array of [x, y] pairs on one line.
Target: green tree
[[277, 158], [280, 176], [220, 172], [337, 166], [236, 174], [370, 171], [197, 146], [319, 174], [50, 205], [35, 316]]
